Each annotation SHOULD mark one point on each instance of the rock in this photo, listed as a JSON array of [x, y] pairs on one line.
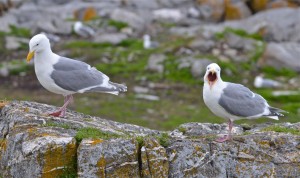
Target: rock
[[155, 63], [202, 45], [168, 15], [139, 89], [147, 97], [211, 10], [193, 12], [198, 68], [128, 17], [13, 43], [33, 144], [113, 38], [113, 158], [240, 43], [186, 31], [281, 55], [236, 10], [85, 13], [258, 5], [6, 21], [185, 62]]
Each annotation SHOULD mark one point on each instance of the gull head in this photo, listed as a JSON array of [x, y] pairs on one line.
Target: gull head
[[213, 74], [37, 44]]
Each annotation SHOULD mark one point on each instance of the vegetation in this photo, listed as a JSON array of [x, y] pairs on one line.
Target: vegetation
[[54, 124], [164, 139], [90, 132], [277, 128], [118, 24]]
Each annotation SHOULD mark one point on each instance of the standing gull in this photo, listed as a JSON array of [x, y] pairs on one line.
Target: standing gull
[[66, 76], [233, 101]]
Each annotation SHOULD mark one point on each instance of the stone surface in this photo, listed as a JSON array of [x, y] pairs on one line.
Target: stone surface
[[113, 38], [198, 67], [33, 144], [155, 63], [128, 17], [281, 55]]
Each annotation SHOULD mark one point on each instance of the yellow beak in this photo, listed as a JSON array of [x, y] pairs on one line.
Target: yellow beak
[[30, 56]]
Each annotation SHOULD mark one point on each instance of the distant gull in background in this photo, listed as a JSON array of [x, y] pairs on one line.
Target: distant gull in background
[[148, 44], [233, 101], [83, 30], [260, 82], [66, 76]]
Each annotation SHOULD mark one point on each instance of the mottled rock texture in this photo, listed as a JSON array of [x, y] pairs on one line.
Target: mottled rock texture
[[35, 145]]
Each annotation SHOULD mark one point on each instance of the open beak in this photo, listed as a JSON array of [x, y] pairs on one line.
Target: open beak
[[30, 56], [212, 78]]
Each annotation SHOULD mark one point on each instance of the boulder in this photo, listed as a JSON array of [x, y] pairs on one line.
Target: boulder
[[198, 67], [155, 63], [129, 17], [113, 38], [33, 144], [281, 55], [212, 10], [168, 15], [236, 10]]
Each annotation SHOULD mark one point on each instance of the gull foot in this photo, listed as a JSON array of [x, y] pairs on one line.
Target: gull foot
[[56, 114], [223, 139]]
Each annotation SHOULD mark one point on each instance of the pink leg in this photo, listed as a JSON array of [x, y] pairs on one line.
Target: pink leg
[[226, 137], [62, 111]]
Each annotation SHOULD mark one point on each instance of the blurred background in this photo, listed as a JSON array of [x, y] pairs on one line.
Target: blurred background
[[160, 50]]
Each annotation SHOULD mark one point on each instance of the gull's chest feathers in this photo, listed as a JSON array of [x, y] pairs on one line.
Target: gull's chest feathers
[[211, 98], [43, 68]]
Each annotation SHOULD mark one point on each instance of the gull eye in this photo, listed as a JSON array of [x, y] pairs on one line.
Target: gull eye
[[37, 44], [208, 68]]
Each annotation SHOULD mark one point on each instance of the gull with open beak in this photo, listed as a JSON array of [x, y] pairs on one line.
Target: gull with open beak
[[233, 101], [66, 76]]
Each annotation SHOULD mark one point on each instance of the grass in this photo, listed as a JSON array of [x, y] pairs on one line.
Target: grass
[[90, 132], [61, 125], [182, 129], [19, 32], [281, 129], [272, 72], [118, 24], [239, 32]]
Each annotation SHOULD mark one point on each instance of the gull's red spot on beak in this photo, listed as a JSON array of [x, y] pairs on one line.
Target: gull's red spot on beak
[[212, 77]]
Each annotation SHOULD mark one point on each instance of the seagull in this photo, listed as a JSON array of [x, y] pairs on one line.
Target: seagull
[[260, 82], [148, 44], [83, 30], [66, 76], [233, 101]]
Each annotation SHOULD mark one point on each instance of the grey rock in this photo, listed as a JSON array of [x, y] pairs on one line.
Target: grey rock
[[113, 38], [168, 15], [281, 55], [108, 158], [186, 31], [6, 21], [202, 45], [198, 68], [155, 63], [12, 43], [33, 144], [128, 17], [240, 43], [185, 62]]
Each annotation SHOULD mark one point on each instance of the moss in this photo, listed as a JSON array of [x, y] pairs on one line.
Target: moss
[[140, 141], [17, 67], [118, 24], [281, 129], [54, 124], [86, 44], [101, 164], [182, 129], [164, 139], [90, 132]]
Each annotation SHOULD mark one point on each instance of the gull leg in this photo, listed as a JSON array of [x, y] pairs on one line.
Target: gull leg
[[226, 137], [62, 111]]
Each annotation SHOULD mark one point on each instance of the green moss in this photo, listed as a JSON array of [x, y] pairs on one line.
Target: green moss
[[182, 129], [277, 128], [90, 132], [140, 141], [86, 44], [164, 139], [54, 124], [239, 32], [118, 24], [18, 66]]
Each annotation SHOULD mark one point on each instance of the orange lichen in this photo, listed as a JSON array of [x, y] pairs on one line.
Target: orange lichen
[[101, 166], [259, 5], [96, 141], [3, 103], [85, 14], [57, 158]]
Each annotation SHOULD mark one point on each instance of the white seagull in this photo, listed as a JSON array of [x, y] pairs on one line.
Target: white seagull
[[233, 101], [66, 76]]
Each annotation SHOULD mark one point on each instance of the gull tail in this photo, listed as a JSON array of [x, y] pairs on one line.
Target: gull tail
[[275, 113], [119, 87]]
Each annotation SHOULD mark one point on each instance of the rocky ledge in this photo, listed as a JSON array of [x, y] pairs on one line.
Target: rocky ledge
[[35, 145]]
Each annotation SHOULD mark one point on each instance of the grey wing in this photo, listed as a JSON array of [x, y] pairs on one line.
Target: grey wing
[[240, 101], [75, 75]]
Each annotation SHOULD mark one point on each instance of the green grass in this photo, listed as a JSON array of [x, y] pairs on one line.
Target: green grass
[[281, 129], [19, 32], [182, 129], [90, 132], [272, 72], [54, 124], [239, 32], [118, 24]]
